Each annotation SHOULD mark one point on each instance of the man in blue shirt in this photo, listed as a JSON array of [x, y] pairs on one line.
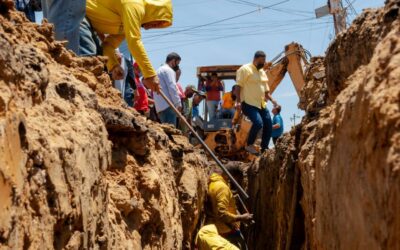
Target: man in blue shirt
[[167, 76], [277, 123]]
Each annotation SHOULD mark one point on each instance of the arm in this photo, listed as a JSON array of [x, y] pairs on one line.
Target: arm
[[269, 97], [132, 14], [221, 86], [222, 208], [109, 45], [223, 204], [241, 78], [276, 126], [196, 100], [237, 93]]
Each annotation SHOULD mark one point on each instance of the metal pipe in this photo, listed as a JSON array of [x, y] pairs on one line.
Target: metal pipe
[[219, 163], [245, 208]]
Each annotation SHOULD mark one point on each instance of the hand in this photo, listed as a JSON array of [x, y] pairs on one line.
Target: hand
[[179, 109], [274, 103], [238, 107], [117, 73], [152, 83], [245, 217], [267, 65]]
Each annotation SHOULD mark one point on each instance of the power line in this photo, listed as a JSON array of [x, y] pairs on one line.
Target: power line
[[210, 33], [219, 21], [351, 7], [254, 33], [243, 2], [236, 24], [245, 26]]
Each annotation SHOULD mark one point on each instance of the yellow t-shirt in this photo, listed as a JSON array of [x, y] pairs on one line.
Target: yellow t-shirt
[[227, 101], [223, 205], [253, 85], [122, 19], [209, 239]]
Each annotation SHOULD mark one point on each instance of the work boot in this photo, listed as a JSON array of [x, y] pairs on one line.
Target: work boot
[[251, 149]]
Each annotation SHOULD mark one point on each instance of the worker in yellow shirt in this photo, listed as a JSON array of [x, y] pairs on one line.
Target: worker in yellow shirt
[[224, 214], [228, 104], [208, 239], [252, 94], [116, 20]]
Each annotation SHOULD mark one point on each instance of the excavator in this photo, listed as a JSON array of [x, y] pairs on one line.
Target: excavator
[[227, 137]]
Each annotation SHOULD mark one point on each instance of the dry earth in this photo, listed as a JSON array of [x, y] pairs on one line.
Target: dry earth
[[79, 170], [333, 182]]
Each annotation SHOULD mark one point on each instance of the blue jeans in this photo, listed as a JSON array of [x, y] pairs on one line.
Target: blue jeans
[[66, 15], [128, 95], [212, 109], [195, 111], [89, 42], [261, 119], [167, 116], [27, 9]]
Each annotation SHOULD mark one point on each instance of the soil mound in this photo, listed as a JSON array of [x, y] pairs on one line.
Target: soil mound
[[79, 169], [345, 153]]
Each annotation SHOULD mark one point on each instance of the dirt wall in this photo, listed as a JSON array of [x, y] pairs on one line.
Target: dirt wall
[[79, 169], [348, 146]]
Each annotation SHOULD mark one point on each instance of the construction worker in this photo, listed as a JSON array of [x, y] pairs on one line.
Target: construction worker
[[187, 101], [277, 124], [116, 20], [208, 239], [167, 75], [223, 206], [214, 87], [252, 94], [228, 104]]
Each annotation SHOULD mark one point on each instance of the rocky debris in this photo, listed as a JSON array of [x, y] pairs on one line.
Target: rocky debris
[[80, 170], [347, 149], [313, 96]]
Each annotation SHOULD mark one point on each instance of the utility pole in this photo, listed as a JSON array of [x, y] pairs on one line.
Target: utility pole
[[293, 119], [335, 8], [339, 15]]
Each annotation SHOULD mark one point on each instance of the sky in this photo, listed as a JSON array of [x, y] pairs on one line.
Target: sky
[[240, 33]]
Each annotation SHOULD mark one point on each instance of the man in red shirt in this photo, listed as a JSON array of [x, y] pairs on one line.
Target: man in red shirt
[[213, 89], [141, 99]]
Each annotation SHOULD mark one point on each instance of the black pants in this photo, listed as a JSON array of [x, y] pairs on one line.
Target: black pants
[[274, 139], [237, 240]]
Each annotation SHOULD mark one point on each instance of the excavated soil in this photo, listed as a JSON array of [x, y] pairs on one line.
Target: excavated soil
[[79, 169], [333, 182]]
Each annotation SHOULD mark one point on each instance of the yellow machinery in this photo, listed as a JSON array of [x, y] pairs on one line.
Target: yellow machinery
[[226, 138]]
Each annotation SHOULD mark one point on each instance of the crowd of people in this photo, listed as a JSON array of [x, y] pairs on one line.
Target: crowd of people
[[97, 27]]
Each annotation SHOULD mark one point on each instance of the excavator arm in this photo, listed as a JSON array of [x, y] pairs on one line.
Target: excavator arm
[[295, 55]]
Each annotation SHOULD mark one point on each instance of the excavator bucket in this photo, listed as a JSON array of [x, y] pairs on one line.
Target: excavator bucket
[[293, 62]]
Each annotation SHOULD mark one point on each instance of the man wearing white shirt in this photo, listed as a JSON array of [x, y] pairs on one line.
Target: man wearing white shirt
[[166, 74]]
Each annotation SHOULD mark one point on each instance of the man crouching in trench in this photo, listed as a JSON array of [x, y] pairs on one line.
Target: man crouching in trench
[[222, 211]]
